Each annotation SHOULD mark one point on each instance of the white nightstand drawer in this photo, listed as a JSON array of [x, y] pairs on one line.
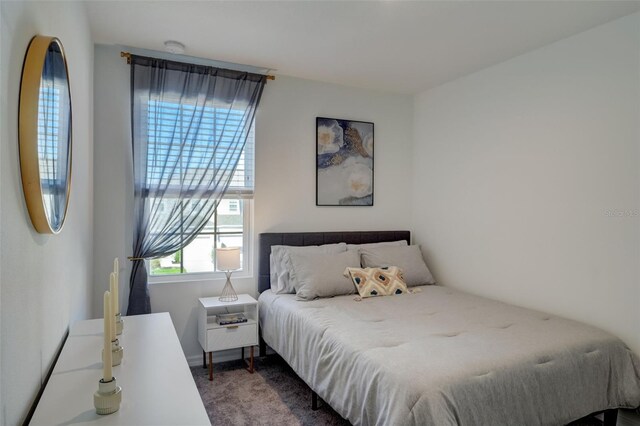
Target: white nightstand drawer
[[230, 337]]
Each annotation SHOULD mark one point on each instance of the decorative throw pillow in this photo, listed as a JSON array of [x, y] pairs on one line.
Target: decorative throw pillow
[[407, 258], [280, 264], [372, 282], [321, 275]]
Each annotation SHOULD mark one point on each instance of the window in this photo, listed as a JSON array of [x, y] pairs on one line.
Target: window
[[229, 224], [233, 206], [226, 228]]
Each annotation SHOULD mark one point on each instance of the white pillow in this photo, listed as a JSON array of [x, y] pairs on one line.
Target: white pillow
[[372, 245], [273, 273], [408, 259], [280, 264], [322, 275]]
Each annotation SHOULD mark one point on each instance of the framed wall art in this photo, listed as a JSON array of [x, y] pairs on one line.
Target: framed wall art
[[344, 162]]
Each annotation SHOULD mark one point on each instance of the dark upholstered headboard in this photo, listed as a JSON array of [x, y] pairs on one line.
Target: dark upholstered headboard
[[314, 239]]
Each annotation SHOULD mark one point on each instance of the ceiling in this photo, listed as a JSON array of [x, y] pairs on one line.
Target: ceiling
[[394, 46]]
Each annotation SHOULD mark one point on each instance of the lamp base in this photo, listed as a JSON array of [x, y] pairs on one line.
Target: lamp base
[[228, 293]]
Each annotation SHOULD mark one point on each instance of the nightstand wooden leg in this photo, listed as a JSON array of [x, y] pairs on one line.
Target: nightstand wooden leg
[[204, 359], [248, 365], [211, 366], [242, 356]]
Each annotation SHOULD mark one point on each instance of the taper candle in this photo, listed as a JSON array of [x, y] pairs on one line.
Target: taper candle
[[116, 295], [107, 373], [112, 286]]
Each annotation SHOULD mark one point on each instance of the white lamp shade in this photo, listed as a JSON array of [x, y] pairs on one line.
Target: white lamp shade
[[228, 258]]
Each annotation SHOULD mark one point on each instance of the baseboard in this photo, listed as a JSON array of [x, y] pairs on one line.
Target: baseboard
[[224, 356]]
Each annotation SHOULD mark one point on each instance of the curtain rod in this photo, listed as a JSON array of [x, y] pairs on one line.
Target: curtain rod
[[128, 56]]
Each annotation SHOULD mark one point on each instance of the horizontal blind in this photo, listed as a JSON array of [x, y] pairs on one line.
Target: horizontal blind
[[242, 182], [211, 134]]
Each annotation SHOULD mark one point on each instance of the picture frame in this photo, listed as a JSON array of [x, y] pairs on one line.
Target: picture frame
[[344, 162]]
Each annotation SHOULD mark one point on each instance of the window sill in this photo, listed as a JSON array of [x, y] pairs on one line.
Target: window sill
[[197, 277]]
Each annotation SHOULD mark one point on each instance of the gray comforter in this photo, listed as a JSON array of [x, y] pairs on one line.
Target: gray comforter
[[443, 357]]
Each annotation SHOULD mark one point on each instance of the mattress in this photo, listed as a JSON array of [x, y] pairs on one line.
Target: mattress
[[444, 357]]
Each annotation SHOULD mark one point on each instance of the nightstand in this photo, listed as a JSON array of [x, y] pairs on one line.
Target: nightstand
[[214, 337]]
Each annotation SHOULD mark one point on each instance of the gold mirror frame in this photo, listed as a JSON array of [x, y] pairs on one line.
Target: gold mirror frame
[[28, 134]]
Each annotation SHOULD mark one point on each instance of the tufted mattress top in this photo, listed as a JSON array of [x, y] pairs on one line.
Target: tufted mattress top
[[444, 357]]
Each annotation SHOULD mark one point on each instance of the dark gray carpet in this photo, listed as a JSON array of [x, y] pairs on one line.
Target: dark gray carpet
[[272, 395]]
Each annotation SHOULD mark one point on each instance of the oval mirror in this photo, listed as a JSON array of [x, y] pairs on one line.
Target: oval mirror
[[45, 133]]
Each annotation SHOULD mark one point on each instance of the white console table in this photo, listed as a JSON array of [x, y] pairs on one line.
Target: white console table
[[157, 385]]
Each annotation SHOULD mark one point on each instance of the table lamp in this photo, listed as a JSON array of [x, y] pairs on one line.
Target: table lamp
[[228, 260]]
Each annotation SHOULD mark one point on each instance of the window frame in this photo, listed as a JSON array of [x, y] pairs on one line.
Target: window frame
[[247, 235]]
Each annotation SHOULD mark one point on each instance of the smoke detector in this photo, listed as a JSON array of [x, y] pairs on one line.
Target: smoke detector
[[173, 46]]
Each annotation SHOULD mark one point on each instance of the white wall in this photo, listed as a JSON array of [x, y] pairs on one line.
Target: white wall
[[285, 175], [46, 281], [285, 151], [518, 170], [113, 188]]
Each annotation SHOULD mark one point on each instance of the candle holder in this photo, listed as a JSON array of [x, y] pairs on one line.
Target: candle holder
[[119, 324], [108, 397], [117, 352]]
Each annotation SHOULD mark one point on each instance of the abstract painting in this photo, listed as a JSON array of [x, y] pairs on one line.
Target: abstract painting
[[344, 162]]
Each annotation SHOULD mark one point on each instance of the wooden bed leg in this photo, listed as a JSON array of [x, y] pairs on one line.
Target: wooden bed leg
[[314, 401], [610, 417]]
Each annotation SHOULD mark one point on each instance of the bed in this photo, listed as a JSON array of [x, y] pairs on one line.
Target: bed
[[441, 356]]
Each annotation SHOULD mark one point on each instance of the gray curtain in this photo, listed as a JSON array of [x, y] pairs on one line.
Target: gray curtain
[[189, 126]]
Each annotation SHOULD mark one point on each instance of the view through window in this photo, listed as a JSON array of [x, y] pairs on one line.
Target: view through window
[[224, 229]]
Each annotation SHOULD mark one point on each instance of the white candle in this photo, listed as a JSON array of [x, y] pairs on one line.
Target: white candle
[[112, 286], [107, 373], [116, 294]]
